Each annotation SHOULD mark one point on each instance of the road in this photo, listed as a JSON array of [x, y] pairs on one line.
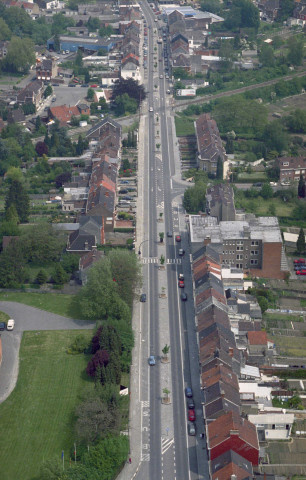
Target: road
[[167, 452], [207, 98], [27, 319]]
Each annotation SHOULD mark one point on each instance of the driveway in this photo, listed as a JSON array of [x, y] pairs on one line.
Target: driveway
[[27, 318]]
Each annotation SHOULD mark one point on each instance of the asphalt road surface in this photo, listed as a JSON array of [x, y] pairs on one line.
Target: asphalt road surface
[[27, 318]]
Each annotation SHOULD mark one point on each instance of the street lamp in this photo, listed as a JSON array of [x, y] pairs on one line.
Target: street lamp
[[139, 251]]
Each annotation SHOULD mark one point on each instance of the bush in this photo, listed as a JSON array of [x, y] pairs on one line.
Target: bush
[[80, 345]]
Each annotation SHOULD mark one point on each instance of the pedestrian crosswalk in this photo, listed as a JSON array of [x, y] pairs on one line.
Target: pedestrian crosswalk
[[170, 261]]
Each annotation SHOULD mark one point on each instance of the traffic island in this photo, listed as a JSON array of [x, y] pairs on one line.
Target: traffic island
[[163, 293], [166, 400]]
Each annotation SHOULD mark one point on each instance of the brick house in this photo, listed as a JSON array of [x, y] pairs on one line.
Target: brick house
[[63, 113], [230, 465], [32, 93], [46, 69], [232, 432], [258, 342], [209, 144], [291, 168]]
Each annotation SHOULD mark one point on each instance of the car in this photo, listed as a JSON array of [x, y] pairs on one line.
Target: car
[[181, 276], [300, 266], [85, 85], [71, 85], [155, 19], [127, 197], [55, 84], [191, 429], [143, 297], [161, 76], [190, 404], [2, 326], [191, 415], [181, 252], [10, 324], [168, 91], [181, 284], [178, 238], [169, 234], [300, 272], [184, 297], [93, 86], [125, 182], [123, 190], [151, 109], [257, 184], [273, 184], [152, 360], [188, 392], [299, 260], [53, 99], [167, 76]]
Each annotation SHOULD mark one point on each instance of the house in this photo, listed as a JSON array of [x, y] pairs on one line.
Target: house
[[63, 114], [130, 67], [80, 243], [269, 9], [291, 168], [16, 116], [209, 144], [230, 465], [258, 343], [220, 202], [273, 426], [107, 128], [232, 432], [31, 8], [32, 93], [182, 61], [109, 78], [46, 69], [86, 262], [50, 4], [87, 44]]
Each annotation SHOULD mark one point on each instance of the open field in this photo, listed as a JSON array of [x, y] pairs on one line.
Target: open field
[[287, 105], [287, 452], [60, 304], [184, 126], [253, 205], [37, 418], [290, 346]]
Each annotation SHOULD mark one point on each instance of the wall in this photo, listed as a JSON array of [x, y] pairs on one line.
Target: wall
[[271, 262]]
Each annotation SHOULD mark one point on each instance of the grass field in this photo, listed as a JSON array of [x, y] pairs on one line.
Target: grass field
[[290, 346], [60, 304], [249, 177], [184, 126], [262, 207], [36, 420]]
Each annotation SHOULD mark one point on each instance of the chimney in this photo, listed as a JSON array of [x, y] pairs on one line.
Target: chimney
[[231, 351], [222, 393], [233, 477], [86, 245]]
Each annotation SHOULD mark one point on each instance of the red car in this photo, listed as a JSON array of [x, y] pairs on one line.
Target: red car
[[191, 415], [178, 238], [181, 284], [300, 260], [301, 272], [93, 86]]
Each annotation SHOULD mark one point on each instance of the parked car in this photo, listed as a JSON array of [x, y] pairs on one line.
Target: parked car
[[191, 415], [181, 252], [128, 197], [181, 284], [123, 190], [184, 297], [188, 392], [299, 260], [125, 182], [143, 297], [301, 272], [190, 404], [2, 326], [300, 266], [191, 429], [10, 324], [181, 276], [178, 238], [152, 360], [169, 234]]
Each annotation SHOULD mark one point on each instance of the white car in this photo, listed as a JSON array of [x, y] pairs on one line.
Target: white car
[[161, 76], [10, 324], [151, 109]]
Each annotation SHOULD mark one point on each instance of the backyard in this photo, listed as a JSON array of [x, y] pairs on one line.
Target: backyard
[[290, 346], [37, 417], [184, 126]]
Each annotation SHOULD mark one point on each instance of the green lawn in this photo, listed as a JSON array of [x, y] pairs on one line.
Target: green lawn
[[261, 207], [36, 420], [250, 177], [290, 346], [184, 126], [60, 304]]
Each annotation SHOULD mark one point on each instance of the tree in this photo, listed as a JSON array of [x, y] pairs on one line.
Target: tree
[[266, 191], [56, 39], [300, 244], [100, 358], [301, 187], [11, 215], [17, 196], [20, 55], [94, 420], [59, 275], [13, 173], [295, 50], [296, 121], [219, 173], [41, 149], [79, 58], [263, 303], [42, 244], [275, 137], [126, 269], [62, 178], [229, 147], [165, 351], [48, 91], [13, 270], [90, 94], [213, 6], [266, 56], [5, 32], [129, 87], [93, 24], [41, 277], [125, 105]]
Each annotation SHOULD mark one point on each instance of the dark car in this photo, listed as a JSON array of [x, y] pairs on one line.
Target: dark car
[[125, 182], [178, 238], [71, 85], [55, 84], [143, 297], [188, 392], [190, 404], [85, 85], [184, 297], [128, 197], [2, 326], [123, 190], [169, 234], [300, 266]]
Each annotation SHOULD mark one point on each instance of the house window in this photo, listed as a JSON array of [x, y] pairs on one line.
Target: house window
[[254, 252], [286, 164], [254, 262], [254, 242], [239, 248], [238, 265], [239, 257]]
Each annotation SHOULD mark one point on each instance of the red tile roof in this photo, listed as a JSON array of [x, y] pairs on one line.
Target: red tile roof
[[231, 424], [257, 338], [63, 113]]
